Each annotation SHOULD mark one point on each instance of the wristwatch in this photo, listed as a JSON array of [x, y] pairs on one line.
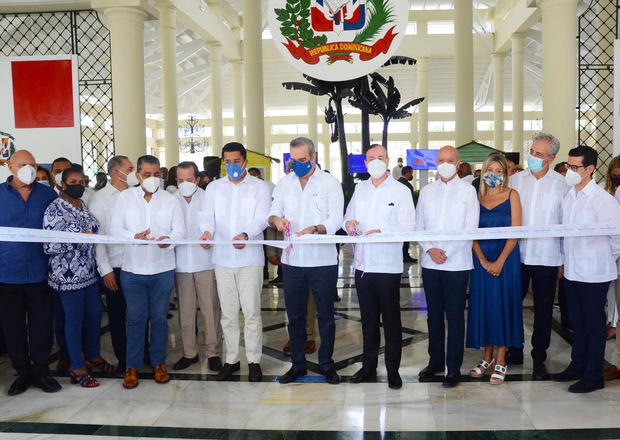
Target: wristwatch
[[315, 230]]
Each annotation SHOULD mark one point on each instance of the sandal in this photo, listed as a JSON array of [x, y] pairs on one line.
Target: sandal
[[497, 378], [482, 368], [101, 365], [84, 379]]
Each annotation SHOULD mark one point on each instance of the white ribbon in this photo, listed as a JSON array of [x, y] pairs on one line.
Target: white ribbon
[[518, 232]]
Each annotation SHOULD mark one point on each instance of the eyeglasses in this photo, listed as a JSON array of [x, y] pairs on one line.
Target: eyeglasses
[[573, 167]]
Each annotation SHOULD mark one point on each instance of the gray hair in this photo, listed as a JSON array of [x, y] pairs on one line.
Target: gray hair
[[553, 142], [116, 162], [298, 142], [147, 158]]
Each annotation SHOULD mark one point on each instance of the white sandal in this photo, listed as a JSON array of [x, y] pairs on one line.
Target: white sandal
[[481, 369], [497, 378]]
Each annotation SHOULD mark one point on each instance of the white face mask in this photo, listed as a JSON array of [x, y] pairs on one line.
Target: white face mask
[[187, 188], [376, 168], [58, 179], [446, 170], [572, 178], [27, 174], [131, 178], [151, 184]]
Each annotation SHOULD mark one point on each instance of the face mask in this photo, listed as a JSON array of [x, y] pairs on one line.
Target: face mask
[[151, 184], [376, 168], [234, 171], [493, 180], [572, 178], [44, 182], [302, 168], [131, 179], [446, 170], [535, 164], [74, 191], [27, 174], [187, 188], [58, 179], [615, 181]]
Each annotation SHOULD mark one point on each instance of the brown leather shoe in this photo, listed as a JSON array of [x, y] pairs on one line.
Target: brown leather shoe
[[611, 373], [161, 374], [63, 365], [310, 346], [131, 378]]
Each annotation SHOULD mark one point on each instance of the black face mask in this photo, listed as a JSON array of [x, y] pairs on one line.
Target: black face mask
[[74, 191], [615, 181]]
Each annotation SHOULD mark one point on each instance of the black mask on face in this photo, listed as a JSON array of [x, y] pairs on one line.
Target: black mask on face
[[615, 181], [74, 191]]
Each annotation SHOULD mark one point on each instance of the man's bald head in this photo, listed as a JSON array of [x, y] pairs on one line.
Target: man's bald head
[[19, 159], [376, 149], [448, 154]]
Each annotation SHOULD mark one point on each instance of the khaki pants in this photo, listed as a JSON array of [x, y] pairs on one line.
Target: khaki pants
[[240, 287], [199, 290]]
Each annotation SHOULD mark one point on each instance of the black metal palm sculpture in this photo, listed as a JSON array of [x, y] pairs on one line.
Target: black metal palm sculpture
[[336, 91]]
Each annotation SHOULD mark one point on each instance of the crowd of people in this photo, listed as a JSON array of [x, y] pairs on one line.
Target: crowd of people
[[57, 288]]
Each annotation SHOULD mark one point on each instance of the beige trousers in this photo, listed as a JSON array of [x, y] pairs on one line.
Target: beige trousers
[[199, 290], [240, 288]]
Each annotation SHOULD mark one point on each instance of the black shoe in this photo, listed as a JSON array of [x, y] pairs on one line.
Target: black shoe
[[184, 362], [408, 259], [363, 374], [276, 280], [227, 371], [331, 376], [292, 375], [430, 370], [451, 380], [19, 385], [584, 386], [540, 372], [514, 357], [566, 375], [47, 383], [215, 363], [256, 374], [394, 381], [147, 357]]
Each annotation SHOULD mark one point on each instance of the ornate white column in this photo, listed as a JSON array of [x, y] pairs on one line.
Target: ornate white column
[[217, 126], [237, 84], [253, 67], [517, 94], [167, 27], [422, 91], [313, 131], [498, 99], [464, 57], [559, 23]]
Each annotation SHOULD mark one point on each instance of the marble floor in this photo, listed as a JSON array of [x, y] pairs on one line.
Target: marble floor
[[194, 405]]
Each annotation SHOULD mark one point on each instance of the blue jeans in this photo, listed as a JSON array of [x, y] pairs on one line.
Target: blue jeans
[[83, 311], [297, 284], [147, 298]]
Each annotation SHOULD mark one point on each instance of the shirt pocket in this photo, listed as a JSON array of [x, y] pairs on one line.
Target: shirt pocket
[[319, 206]]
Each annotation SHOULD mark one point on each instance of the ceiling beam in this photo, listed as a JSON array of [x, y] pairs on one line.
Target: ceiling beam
[[520, 19]]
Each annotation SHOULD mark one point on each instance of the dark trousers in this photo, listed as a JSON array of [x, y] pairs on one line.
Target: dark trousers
[[406, 250], [297, 284], [26, 319], [543, 280], [445, 294], [564, 320], [59, 327], [117, 315], [586, 311], [379, 298]]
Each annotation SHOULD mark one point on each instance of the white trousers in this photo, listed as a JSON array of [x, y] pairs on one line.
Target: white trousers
[[240, 288]]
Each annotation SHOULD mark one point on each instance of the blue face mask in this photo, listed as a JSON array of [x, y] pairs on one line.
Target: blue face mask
[[535, 164], [44, 182], [493, 180], [302, 168], [234, 171]]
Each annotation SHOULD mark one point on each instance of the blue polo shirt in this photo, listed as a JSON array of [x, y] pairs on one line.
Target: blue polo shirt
[[23, 263]]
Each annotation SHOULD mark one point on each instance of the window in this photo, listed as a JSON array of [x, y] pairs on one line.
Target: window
[[267, 34], [149, 132], [532, 125], [87, 121], [298, 129], [440, 27], [485, 125], [441, 126], [412, 28]]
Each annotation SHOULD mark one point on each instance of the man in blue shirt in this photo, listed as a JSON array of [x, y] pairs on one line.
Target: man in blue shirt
[[25, 299]]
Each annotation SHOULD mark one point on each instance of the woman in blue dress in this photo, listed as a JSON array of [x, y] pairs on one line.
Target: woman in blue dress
[[495, 317]]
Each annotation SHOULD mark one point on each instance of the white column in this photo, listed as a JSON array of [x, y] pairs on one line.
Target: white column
[[167, 28], [498, 99], [313, 132], [464, 58], [517, 94], [126, 26], [217, 126], [253, 57], [326, 136], [422, 91], [237, 85], [559, 23]]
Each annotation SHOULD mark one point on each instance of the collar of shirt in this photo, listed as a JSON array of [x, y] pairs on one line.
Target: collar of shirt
[[587, 190], [450, 182]]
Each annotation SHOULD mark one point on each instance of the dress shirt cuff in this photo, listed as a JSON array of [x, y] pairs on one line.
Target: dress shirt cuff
[[103, 265]]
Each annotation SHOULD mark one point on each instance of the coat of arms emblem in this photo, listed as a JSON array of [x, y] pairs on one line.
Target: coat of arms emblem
[[338, 39]]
